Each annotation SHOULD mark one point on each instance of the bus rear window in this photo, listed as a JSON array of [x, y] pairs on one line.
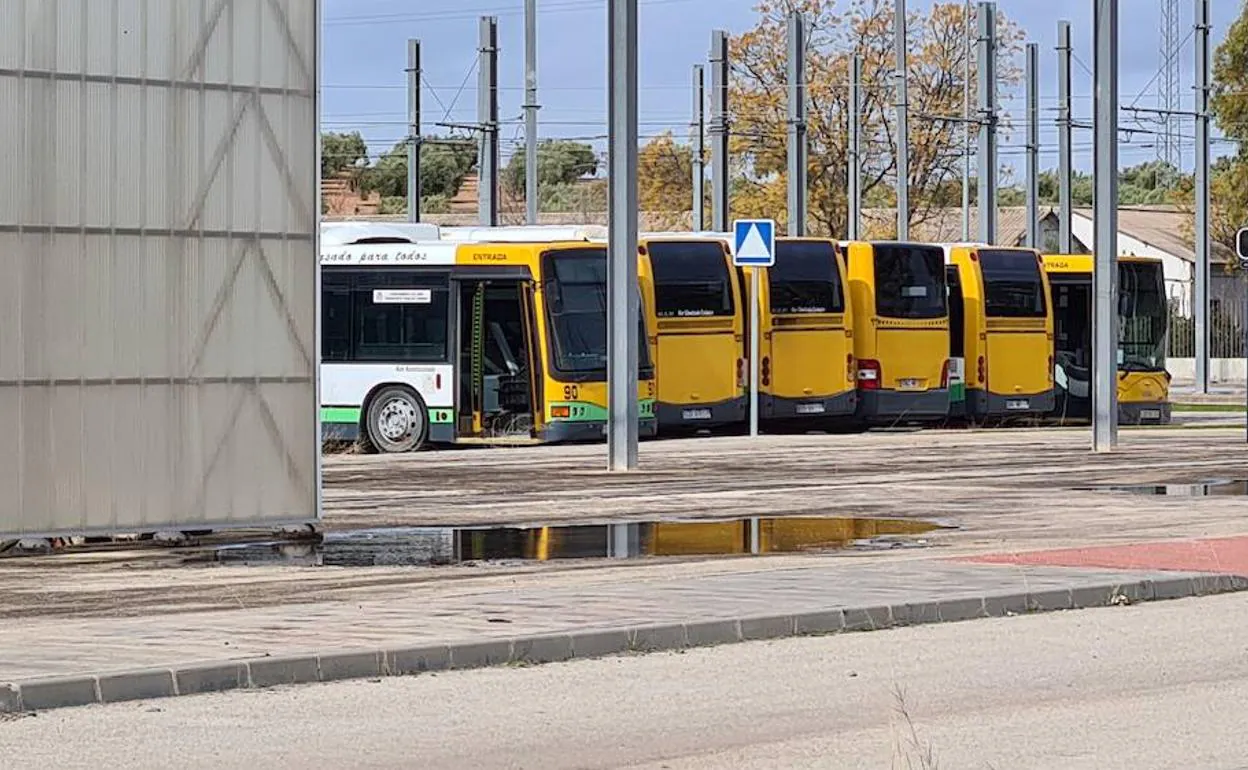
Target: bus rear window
[[1012, 284], [910, 281], [691, 279], [805, 279]]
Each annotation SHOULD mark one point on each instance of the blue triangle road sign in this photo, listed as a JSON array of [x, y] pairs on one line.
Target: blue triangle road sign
[[754, 242]]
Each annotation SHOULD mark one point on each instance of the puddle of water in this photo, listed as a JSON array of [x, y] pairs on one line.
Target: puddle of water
[[444, 546], [1221, 488]]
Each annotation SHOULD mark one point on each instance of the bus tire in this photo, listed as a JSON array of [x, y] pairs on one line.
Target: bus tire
[[396, 421]]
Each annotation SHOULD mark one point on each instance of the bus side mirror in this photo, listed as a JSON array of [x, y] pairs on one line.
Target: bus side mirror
[[1241, 247]]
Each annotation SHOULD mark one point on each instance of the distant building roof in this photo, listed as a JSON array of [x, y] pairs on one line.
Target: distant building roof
[[945, 225], [1165, 228]]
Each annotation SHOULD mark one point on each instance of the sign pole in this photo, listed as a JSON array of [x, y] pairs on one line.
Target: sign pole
[[755, 301], [754, 247]]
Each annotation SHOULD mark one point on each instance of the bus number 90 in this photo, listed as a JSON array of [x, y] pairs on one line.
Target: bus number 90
[[571, 393]]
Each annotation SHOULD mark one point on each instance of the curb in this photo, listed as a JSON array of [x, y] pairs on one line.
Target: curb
[[191, 679]]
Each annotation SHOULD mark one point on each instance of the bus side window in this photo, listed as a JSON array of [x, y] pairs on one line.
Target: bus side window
[[336, 318]]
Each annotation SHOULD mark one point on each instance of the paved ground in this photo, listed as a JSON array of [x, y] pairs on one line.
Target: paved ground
[[623, 598], [997, 484], [1007, 491], [1133, 688]]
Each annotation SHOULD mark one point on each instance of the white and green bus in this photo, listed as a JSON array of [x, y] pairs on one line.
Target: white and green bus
[[428, 341]]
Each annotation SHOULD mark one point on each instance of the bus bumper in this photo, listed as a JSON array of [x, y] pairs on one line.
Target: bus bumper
[[590, 431], [780, 408], [987, 404], [889, 406], [687, 417], [1144, 413]]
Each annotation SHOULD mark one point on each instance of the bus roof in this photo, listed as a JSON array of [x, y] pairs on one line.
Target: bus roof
[[349, 232], [525, 233]]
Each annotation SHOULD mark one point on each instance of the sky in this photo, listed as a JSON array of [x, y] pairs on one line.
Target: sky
[[365, 54]]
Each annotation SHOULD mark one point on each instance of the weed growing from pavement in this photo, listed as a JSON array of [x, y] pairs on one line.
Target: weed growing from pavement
[[909, 751]]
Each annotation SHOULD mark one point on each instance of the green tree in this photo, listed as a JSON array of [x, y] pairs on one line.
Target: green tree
[[340, 151], [558, 162], [1230, 111], [444, 162]]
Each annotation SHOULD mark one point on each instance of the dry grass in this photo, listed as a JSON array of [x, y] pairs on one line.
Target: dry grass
[[909, 750]]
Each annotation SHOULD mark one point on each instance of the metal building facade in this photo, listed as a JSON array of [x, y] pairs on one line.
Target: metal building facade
[[158, 267]]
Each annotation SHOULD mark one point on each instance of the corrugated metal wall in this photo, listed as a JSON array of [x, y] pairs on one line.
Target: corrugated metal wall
[[158, 267]]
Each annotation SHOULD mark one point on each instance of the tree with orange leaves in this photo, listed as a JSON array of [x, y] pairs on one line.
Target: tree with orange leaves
[[937, 44]]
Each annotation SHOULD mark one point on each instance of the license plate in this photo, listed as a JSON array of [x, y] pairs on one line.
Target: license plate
[[695, 414], [1150, 414], [1017, 404], [909, 384], [810, 409]]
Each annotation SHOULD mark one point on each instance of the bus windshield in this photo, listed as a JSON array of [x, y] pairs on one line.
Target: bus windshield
[[1143, 315], [576, 304], [910, 281], [805, 279], [691, 279], [1012, 284]]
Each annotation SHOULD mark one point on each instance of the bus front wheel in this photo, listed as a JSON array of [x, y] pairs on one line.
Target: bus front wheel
[[396, 421]]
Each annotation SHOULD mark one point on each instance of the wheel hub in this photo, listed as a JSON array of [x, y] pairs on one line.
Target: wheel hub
[[397, 420]]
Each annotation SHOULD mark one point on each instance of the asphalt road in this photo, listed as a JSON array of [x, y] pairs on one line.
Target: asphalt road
[[1156, 686]]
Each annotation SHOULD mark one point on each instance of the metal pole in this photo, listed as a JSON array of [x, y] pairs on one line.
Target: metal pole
[[797, 148], [1201, 309], [1033, 146], [719, 130], [1105, 272], [755, 300], [1065, 146], [901, 75], [966, 124], [413, 130], [699, 148], [487, 118], [623, 296], [530, 112], [854, 186], [987, 74]]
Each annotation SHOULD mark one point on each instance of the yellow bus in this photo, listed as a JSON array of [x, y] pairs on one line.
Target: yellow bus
[[899, 301], [1001, 331], [438, 343], [1143, 317], [692, 300], [806, 368]]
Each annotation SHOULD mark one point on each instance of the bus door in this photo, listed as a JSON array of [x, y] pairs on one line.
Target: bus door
[[957, 342], [496, 397], [1072, 340]]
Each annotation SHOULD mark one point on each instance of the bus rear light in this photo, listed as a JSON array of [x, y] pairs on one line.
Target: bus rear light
[[560, 412], [944, 375], [869, 375], [1050, 370], [982, 371], [437, 381], [849, 367], [741, 372], [765, 374]]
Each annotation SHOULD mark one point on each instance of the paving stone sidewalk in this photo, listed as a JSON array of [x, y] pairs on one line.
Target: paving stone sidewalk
[[49, 662]]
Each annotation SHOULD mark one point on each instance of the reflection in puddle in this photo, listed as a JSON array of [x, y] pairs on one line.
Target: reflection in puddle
[[1225, 488], [441, 546]]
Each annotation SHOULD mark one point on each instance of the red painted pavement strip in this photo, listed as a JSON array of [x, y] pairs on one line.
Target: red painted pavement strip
[[1225, 556]]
